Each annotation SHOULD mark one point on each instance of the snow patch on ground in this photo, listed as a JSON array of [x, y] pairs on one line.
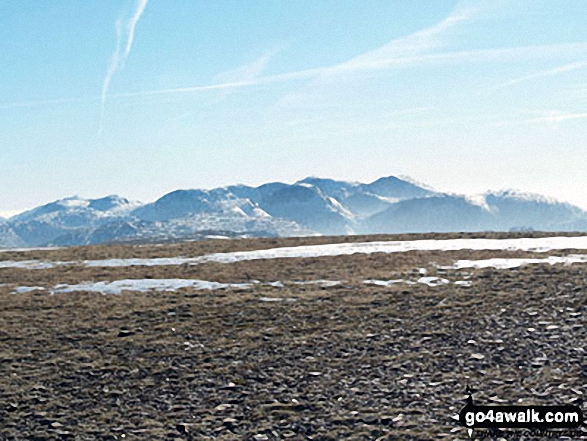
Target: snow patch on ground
[[433, 281], [144, 285], [382, 282], [277, 299], [32, 264], [430, 281], [159, 261], [500, 263], [463, 282], [25, 289], [541, 245], [320, 283], [22, 250]]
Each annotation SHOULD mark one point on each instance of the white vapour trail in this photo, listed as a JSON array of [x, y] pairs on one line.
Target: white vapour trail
[[123, 30], [545, 73], [499, 55], [114, 63], [132, 24]]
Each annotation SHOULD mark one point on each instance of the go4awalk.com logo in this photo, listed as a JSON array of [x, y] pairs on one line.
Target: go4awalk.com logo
[[533, 418]]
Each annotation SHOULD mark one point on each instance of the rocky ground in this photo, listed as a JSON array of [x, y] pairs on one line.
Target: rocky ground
[[291, 361]]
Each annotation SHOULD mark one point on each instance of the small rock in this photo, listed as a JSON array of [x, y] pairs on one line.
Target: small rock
[[126, 333], [230, 422], [183, 428]]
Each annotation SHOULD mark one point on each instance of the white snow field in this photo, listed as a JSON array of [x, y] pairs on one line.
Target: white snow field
[[144, 285], [501, 263], [541, 245]]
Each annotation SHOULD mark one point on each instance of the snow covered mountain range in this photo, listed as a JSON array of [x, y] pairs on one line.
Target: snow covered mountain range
[[308, 207]]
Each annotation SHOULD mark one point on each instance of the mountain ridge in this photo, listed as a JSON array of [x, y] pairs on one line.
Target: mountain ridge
[[310, 206]]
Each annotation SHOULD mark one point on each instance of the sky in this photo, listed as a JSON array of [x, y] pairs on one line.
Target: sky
[[142, 97]]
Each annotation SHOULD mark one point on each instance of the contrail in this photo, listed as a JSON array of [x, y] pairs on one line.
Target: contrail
[[132, 24], [545, 73], [125, 30]]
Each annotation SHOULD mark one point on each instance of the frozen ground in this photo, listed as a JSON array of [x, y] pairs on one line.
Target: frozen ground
[[541, 245]]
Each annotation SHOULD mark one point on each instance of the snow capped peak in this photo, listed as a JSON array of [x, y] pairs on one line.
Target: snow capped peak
[[112, 203], [522, 196], [416, 182], [73, 201], [391, 186], [479, 200], [310, 206]]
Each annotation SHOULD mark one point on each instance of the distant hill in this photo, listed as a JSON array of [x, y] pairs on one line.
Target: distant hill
[[432, 214], [310, 206]]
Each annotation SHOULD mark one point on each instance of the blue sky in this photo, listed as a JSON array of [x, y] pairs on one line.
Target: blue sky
[[141, 97]]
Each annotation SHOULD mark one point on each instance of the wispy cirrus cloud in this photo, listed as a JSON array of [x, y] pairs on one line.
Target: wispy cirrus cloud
[[41, 103], [465, 56], [403, 51], [405, 48], [556, 117], [426, 47], [247, 72], [545, 73], [125, 34]]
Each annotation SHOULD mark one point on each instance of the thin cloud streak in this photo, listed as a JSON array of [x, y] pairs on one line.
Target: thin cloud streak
[[248, 72], [118, 60], [477, 56], [545, 73], [552, 117], [132, 24], [46, 102], [555, 117], [112, 68], [481, 55], [405, 47], [394, 52]]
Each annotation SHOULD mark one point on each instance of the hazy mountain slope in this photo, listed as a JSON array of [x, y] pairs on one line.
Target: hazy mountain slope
[[310, 206], [330, 187], [303, 203], [8, 237], [367, 199], [77, 211], [197, 226], [392, 187], [501, 211], [43, 224], [513, 209], [181, 203], [430, 214], [258, 194]]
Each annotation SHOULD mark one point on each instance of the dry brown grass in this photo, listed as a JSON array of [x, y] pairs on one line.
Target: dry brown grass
[[349, 362]]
